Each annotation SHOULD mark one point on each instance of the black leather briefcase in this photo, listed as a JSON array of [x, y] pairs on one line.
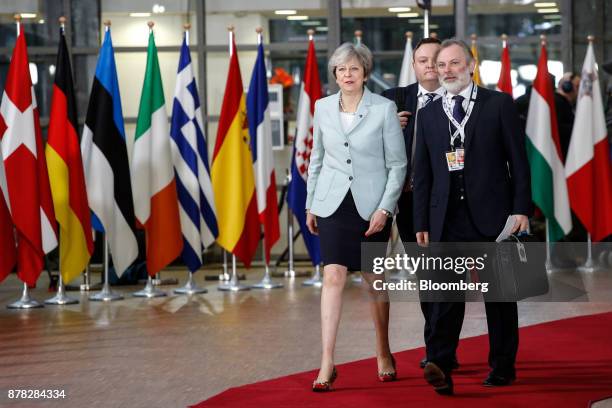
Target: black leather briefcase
[[518, 271]]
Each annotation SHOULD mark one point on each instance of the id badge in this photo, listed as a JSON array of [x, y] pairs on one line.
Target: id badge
[[451, 161], [460, 154]]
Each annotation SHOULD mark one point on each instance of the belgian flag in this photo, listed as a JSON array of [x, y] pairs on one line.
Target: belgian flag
[[66, 172]]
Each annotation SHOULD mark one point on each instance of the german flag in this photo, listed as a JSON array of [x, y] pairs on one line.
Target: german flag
[[232, 175], [66, 172]]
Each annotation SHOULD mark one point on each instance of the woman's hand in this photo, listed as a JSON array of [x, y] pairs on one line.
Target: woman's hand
[[377, 222], [311, 223]]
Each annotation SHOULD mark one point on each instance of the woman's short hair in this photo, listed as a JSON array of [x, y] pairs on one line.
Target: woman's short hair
[[347, 51]]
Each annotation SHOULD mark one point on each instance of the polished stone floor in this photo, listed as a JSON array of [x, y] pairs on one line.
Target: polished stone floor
[[178, 350]]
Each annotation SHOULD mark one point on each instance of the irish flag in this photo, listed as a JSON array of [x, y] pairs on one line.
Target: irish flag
[[548, 185], [588, 170], [155, 198]]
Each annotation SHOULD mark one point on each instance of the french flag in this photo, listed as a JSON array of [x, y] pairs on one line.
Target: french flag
[[260, 131]]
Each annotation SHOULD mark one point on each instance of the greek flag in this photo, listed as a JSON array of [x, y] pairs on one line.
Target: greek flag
[[190, 159]]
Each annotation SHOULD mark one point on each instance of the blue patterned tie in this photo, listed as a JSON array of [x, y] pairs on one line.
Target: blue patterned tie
[[428, 98]]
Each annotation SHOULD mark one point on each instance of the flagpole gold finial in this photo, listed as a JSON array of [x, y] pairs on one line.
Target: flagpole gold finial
[[474, 37], [259, 30], [543, 40], [17, 17], [504, 37], [310, 32], [408, 34], [590, 38], [358, 33], [230, 28], [433, 34], [150, 24], [107, 23], [62, 20], [187, 26]]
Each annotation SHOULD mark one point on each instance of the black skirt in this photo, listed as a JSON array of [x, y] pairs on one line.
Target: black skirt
[[342, 233]]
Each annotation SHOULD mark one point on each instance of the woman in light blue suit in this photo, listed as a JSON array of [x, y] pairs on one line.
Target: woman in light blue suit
[[356, 173]]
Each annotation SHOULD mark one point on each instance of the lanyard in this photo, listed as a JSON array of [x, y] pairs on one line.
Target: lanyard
[[459, 127]]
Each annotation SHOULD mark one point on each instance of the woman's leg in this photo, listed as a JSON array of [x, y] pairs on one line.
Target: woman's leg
[[334, 278], [379, 309]]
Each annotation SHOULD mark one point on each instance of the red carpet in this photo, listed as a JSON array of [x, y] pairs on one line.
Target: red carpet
[[565, 363]]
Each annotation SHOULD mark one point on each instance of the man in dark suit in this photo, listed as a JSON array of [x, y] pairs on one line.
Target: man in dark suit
[[469, 201], [409, 100]]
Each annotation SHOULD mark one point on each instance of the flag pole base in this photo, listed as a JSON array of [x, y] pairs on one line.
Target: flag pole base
[[267, 282], [190, 288], [290, 273], [233, 287], [357, 279], [61, 298], [316, 280], [26, 302], [149, 291], [106, 294]]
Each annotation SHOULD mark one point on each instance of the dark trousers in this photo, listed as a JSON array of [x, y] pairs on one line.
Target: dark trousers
[[446, 318]]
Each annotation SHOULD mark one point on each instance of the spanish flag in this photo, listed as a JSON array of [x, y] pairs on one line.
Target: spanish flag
[[66, 173], [232, 172]]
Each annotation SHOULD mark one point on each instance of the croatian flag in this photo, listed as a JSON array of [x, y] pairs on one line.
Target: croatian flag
[[190, 158], [258, 115], [296, 194]]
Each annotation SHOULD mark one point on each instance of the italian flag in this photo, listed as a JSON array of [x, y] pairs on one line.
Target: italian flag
[[588, 170], [548, 184], [153, 184]]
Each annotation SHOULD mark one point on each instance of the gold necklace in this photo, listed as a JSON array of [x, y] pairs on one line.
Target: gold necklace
[[343, 109]]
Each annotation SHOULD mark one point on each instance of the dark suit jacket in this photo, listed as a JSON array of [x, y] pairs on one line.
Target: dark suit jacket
[[496, 173], [405, 99]]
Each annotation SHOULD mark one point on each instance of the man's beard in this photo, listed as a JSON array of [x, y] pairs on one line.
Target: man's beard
[[463, 79]]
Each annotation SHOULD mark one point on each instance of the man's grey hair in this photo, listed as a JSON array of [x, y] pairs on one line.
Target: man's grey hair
[[469, 57], [348, 50]]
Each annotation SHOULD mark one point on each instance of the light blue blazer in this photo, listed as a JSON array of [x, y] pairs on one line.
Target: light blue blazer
[[369, 158]]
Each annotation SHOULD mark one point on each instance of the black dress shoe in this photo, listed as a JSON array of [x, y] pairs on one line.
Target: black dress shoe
[[498, 381], [454, 366], [438, 379]]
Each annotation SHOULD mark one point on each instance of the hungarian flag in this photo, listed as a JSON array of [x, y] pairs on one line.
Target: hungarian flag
[[476, 74], [232, 172], [548, 185], [66, 172], [310, 91], [504, 84], [588, 170], [27, 178], [260, 130], [105, 162], [407, 75], [155, 198], [7, 233], [190, 157]]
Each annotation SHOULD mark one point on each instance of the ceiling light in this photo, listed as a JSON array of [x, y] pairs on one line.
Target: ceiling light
[[140, 14], [552, 17], [158, 9], [399, 9], [311, 23], [297, 18], [322, 28], [546, 4], [28, 15], [548, 10], [285, 12], [407, 15]]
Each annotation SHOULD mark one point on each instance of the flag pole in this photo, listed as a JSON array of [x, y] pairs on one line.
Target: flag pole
[[191, 287], [61, 298], [106, 294], [426, 23], [26, 302], [266, 282], [233, 285], [358, 35], [356, 277]]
